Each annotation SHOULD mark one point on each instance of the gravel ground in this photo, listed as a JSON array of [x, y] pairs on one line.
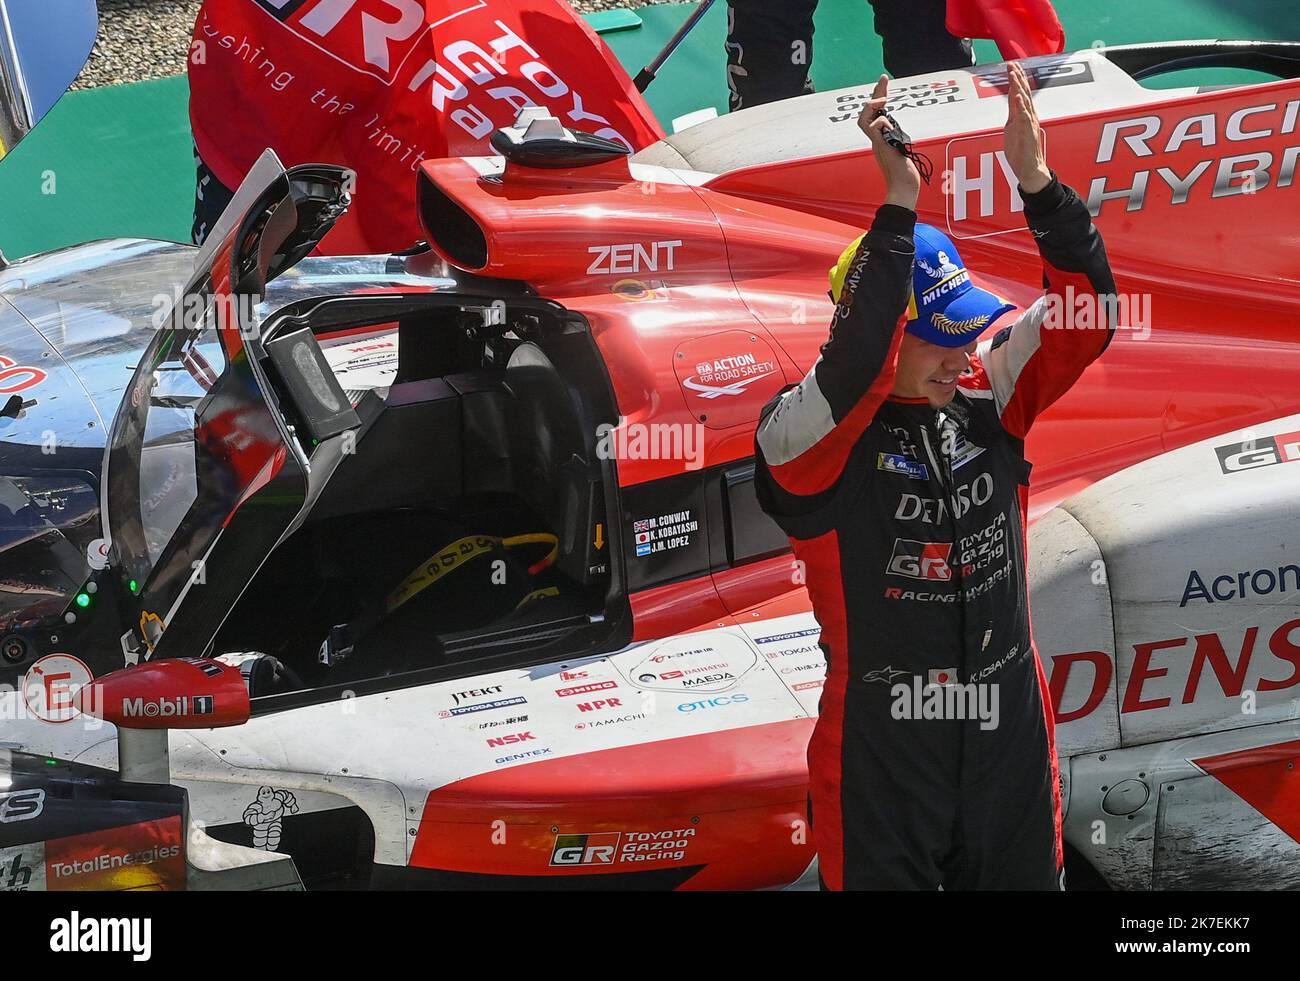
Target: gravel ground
[[140, 39]]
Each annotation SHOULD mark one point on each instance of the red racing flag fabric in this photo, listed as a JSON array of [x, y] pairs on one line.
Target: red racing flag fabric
[[1021, 28], [379, 85]]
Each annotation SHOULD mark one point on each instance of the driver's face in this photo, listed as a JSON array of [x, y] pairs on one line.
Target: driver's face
[[929, 371]]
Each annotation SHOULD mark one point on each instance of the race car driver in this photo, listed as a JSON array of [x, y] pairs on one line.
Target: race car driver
[[897, 468]]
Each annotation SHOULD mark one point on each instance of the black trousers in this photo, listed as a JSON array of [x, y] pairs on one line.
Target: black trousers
[[770, 45], [919, 803], [210, 199]]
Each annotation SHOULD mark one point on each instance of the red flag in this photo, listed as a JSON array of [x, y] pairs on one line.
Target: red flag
[[1021, 28], [379, 85]]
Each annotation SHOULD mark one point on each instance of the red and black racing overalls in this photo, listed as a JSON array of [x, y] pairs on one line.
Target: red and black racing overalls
[[910, 523]]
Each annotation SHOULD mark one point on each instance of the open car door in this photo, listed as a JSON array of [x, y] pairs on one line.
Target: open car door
[[224, 435]]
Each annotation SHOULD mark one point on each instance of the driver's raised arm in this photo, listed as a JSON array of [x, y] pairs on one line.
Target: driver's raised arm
[[1034, 361], [805, 434]]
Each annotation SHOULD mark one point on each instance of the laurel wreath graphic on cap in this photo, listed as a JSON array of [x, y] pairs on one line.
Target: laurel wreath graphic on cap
[[959, 326]]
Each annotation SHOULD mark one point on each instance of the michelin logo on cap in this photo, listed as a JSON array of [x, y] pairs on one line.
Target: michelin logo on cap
[[946, 307]]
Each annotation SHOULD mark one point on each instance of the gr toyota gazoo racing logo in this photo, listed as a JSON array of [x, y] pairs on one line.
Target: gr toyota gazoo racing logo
[[597, 849], [608, 848], [930, 560], [1043, 75], [920, 560], [1265, 451]]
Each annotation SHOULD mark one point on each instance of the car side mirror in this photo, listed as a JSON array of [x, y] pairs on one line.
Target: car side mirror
[[145, 700]]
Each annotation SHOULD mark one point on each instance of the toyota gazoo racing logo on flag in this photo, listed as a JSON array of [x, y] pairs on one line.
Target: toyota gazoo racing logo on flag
[[920, 560], [167, 708], [372, 36], [1265, 451], [459, 55]]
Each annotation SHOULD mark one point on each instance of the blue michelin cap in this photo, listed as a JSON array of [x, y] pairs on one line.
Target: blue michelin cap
[[946, 307]]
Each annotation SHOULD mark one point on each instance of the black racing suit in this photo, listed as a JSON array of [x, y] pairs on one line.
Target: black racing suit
[[770, 45], [910, 524]]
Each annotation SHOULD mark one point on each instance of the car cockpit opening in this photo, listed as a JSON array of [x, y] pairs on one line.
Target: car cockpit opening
[[455, 527]]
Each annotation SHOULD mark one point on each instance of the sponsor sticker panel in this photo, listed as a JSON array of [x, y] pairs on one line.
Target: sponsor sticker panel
[[148, 855], [790, 648], [710, 662]]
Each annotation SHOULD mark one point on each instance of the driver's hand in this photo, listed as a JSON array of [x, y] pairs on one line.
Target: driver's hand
[[1023, 136], [902, 180]]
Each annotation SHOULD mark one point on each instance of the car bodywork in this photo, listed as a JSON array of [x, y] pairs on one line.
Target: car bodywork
[[646, 726]]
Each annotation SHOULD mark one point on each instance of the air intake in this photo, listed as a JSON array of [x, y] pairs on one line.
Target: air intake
[[538, 139]]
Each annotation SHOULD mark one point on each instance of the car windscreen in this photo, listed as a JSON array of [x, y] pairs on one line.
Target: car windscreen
[[192, 438]]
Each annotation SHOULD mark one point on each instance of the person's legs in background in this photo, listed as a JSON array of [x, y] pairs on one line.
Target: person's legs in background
[[769, 50], [210, 199], [915, 39]]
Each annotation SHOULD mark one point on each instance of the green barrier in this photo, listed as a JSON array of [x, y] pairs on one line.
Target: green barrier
[[107, 162], [609, 21]]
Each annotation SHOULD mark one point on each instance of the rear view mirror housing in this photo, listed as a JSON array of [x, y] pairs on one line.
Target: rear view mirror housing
[[145, 700], [178, 693]]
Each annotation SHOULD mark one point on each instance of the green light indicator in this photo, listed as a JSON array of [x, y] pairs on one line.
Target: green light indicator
[[133, 585], [83, 600]]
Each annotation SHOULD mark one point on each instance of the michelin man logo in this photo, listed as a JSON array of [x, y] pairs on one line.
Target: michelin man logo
[[946, 267], [266, 814]]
